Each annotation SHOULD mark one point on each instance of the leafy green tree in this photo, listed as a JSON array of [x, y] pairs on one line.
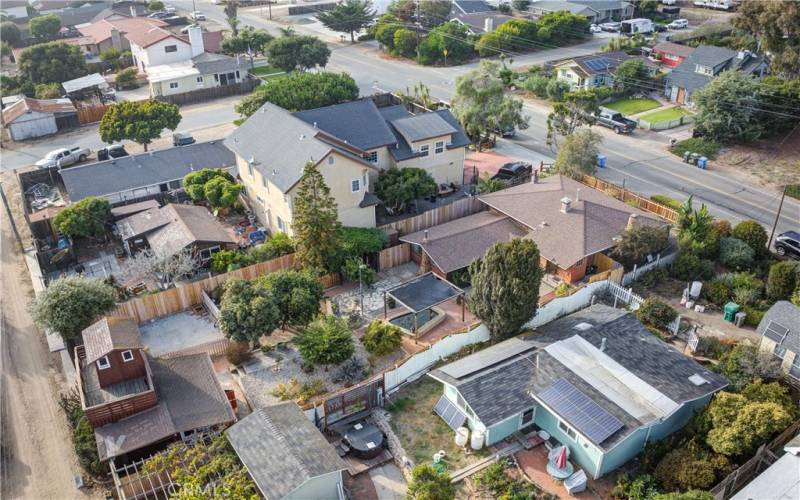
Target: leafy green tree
[[404, 10], [349, 16], [194, 182], [637, 243], [735, 254], [405, 42], [577, 108], [45, 27], [398, 187], [505, 286], [155, 6], [316, 220], [695, 230], [687, 495], [656, 313], [48, 90], [138, 121], [297, 52], [70, 304], [52, 62], [9, 32], [232, 15], [356, 271], [743, 364], [228, 260], [776, 26], [326, 341], [5, 49], [783, 279], [247, 41], [381, 338], [433, 13], [300, 91], [777, 94], [577, 156], [297, 294], [562, 27], [361, 241], [481, 105], [728, 108], [111, 55], [556, 89], [222, 193], [754, 234], [126, 79], [247, 311], [691, 466], [429, 484], [385, 28], [521, 5], [276, 246], [630, 76], [84, 219], [640, 487], [489, 185], [448, 42]]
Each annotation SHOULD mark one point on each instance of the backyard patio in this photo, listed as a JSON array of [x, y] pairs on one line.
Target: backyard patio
[[188, 331]]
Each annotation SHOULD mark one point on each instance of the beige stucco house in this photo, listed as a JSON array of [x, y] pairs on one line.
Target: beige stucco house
[[351, 143]]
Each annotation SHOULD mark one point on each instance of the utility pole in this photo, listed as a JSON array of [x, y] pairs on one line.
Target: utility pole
[[777, 216], [417, 26]]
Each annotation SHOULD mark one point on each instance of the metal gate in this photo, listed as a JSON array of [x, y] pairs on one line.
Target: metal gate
[[360, 398]]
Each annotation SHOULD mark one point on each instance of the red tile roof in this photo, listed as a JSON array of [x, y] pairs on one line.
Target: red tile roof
[[130, 27]]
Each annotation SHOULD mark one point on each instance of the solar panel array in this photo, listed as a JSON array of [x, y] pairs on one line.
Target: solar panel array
[[450, 413], [579, 411], [598, 64], [776, 331], [487, 358]]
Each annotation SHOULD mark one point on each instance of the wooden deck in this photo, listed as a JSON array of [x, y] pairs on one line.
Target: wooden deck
[[96, 395]]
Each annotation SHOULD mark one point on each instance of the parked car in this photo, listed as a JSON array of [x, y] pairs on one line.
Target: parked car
[[660, 27], [595, 29], [198, 16], [788, 244], [186, 29], [64, 157], [506, 132], [182, 139], [514, 173], [668, 2], [615, 121], [160, 15], [111, 152], [611, 27], [678, 24]]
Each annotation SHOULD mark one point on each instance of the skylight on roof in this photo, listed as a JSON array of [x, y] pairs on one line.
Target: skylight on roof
[[583, 326], [698, 379]]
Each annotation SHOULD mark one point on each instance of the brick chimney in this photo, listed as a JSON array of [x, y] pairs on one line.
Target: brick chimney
[[566, 202], [632, 222], [116, 39], [488, 25]]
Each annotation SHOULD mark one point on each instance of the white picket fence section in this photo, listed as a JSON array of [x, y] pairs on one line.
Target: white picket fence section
[[418, 364], [562, 306], [624, 295], [659, 261]]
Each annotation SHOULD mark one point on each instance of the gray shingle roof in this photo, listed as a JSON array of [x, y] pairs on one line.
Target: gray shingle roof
[[423, 126], [134, 432], [602, 5], [556, 6], [477, 21], [402, 151], [207, 63], [110, 334], [146, 169], [357, 122], [282, 449], [787, 315], [685, 76], [470, 6], [500, 388]]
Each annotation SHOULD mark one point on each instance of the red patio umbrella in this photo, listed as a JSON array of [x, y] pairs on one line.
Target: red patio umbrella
[[561, 458]]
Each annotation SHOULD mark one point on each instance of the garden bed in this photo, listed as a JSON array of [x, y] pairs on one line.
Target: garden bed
[[633, 106], [421, 432]]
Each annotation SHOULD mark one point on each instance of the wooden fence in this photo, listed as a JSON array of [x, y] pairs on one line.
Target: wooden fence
[[394, 256], [184, 296], [435, 216], [91, 114], [622, 194], [202, 95]]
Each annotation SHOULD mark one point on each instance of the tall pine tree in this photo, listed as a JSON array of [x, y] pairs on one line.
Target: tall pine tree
[[505, 287], [316, 220]]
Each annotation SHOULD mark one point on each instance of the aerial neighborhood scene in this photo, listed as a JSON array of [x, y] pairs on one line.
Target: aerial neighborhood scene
[[400, 249]]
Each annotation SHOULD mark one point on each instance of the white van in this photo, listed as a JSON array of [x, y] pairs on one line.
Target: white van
[[678, 24]]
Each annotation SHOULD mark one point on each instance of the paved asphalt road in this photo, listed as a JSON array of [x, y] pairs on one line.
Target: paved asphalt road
[[642, 161]]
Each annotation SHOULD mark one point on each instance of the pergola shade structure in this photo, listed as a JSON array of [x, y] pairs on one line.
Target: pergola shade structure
[[421, 294]]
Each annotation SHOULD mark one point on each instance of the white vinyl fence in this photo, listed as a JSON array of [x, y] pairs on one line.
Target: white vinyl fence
[[562, 306], [638, 271], [418, 364]]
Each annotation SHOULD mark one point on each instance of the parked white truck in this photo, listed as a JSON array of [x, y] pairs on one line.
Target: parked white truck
[[64, 157], [633, 26]]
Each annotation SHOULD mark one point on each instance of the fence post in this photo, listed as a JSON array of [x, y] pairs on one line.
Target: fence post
[[635, 267], [658, 259]]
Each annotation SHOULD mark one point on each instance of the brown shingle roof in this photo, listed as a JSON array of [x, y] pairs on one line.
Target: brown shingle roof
[[590, 226], [455, 244], [27, 104], [188, 224], [110, 334]]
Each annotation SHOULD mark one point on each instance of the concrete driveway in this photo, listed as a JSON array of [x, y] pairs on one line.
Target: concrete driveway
[[389, 482]]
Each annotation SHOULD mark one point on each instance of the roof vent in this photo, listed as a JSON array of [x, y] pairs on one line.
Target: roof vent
[[274, 172], [543, 224], [315, 124], [698, 379], [583, 326], [578, 195], [252, 160], [603, 345], [565, 204], [302, 136]]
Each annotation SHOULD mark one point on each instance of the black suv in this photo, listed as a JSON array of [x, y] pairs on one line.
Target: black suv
[[788, 243], [514, 173]]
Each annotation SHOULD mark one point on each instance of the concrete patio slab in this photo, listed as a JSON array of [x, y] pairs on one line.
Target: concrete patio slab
[[389, 482], [179, 332]]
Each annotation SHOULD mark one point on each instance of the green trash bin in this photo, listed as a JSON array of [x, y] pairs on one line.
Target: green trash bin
[[730, 310]]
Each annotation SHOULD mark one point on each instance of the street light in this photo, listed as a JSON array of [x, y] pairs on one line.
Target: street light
[[361, 287]]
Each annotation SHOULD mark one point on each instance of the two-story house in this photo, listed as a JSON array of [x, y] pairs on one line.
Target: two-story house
[[351, 142], [136, 403], [703, 65]]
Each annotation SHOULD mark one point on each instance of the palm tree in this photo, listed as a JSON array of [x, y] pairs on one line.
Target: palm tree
[[231, 14], [287, 31], [489, 185]]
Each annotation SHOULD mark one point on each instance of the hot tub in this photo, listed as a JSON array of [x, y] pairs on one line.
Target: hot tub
[[426, 320]]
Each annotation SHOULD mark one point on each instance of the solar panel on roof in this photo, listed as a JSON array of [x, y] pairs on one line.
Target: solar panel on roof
[[450, 413], [598, 64], [580, 411], [776, 331], [484, 359]]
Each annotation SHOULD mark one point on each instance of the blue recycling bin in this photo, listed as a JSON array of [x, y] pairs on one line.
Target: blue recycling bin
[[702, 162], [601, 161]]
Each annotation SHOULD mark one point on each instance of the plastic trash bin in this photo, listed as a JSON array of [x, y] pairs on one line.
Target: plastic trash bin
[[686, 156], [730, 310], [693, 158], [702, 162], [739, 318], [601, 161]]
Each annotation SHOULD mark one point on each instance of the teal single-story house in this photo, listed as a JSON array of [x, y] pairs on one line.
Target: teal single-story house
[[597, 381]]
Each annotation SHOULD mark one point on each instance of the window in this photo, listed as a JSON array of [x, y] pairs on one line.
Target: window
[[250, 168], [366, 179], [794, 370], [127, 356], [103, 363], [355, 185], [173, 85], [439, 147], [206, 253], [237, 74], [330, 160], [779, 351], [281, 224], [199, 80], [527, 418], [371, 157], [567, 430], [423, 150], [175, 184], [170, 48], [264, 181]]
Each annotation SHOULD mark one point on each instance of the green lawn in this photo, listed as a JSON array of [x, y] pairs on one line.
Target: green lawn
[[633, 106], [266, 71], [665, 115]]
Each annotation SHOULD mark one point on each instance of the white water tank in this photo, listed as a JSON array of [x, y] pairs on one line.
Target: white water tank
[[478, 437], [462, 436]]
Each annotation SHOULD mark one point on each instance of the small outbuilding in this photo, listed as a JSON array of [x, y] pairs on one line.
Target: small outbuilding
[[30, 118]]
